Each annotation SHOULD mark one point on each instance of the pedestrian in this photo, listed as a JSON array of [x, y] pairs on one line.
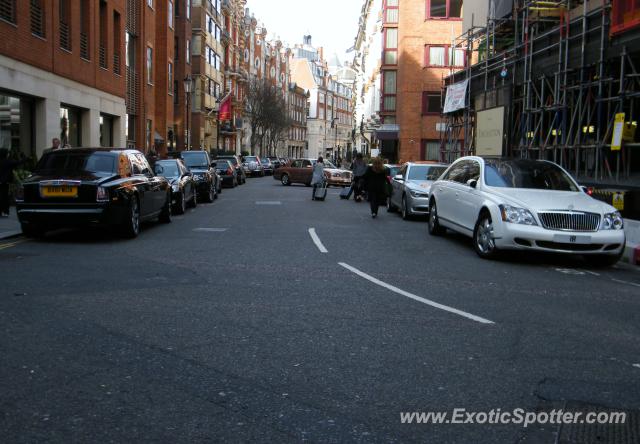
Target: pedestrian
[[359, 168], [6, 177], [318, 176], [55, 145], [376, 184]]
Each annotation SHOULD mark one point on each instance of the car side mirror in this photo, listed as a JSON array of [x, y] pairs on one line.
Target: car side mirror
[[398, 177], [473, 183], [213, 164]]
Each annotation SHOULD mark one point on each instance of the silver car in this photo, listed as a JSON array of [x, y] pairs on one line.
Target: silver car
[[410, 188]]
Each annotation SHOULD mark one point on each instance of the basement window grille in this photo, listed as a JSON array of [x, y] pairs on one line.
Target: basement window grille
[[103, 57], [84, 45]]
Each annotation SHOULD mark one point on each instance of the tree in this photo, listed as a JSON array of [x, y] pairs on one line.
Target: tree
[[268, 117]]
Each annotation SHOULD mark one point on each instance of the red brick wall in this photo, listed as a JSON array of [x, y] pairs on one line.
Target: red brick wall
[[17, 42], [415, 32]]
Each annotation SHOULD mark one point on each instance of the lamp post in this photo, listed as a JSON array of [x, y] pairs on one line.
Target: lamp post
[[334, 124], [187, 92]]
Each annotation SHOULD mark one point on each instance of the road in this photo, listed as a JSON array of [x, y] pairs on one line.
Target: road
[[231, 324]]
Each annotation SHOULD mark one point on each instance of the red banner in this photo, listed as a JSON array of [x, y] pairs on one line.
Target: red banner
[[225, 109]]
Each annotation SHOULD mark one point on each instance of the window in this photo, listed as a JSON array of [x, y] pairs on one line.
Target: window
[[148, 142], [37, 18], [430, 150], [188, 9], [188, 55], [170, 77], [130, 48], [85, 23], [390, 46], [444, 55], [391, 11], [436, 55], [444, 8], [150, 3], [389, 82], [104, 32], [65, 25], [116, 42], [431, 102], [8, 10], [170, 14], [149, 65]]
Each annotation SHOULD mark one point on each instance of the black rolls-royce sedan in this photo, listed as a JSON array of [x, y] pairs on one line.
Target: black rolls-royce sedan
[[92, 186]]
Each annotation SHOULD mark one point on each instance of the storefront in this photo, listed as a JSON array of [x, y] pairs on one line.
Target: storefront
[[16, 123]]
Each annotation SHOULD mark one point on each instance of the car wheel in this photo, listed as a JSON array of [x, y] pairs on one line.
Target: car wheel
[[285, 180], [405, 210], [434, 224], [131, 224], [181, 206], [165, 214], [603, 260], [391, 208], [33, 230], [483, 240]]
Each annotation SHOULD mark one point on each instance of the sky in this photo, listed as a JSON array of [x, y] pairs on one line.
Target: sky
[[333, 24]]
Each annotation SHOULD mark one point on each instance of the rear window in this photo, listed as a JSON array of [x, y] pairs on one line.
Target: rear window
[[250, 159], [92, 162], [195, 160], [222, 164], [233, 160]]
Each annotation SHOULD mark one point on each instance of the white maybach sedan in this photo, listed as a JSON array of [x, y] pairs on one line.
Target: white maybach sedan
[[524, 204]]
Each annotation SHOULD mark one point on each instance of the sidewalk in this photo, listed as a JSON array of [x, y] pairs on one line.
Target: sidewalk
[[9, 226]]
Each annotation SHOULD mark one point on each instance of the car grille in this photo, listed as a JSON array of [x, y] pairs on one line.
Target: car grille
[[570, 221]]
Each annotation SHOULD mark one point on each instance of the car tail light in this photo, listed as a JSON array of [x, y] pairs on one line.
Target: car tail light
[[102, 195], [229, 172]]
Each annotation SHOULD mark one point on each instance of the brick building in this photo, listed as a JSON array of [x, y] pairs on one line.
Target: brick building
[[61, 73], [415, 57], [297, 105]]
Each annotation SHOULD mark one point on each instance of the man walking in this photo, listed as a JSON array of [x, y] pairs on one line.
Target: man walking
[[358, 167]]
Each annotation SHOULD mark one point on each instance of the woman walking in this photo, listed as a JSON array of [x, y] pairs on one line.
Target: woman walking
[[376, 184], [318, 176]]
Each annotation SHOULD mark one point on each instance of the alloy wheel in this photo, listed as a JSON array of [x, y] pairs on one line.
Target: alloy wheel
[[484, 240]]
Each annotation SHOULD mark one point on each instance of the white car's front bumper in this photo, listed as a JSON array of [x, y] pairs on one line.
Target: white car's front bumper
[[525, 237]]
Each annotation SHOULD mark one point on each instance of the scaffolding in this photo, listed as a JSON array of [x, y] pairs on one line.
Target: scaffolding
[[561, 78]]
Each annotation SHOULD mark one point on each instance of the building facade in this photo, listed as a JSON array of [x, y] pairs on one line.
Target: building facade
[[414, 57], [297, 136], [330, 112], [61, 74]]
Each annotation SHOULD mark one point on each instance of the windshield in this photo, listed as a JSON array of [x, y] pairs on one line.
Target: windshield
[[529, 174], [92, 162], [195, 160], [327, 164], [265, 161], [167, 169]]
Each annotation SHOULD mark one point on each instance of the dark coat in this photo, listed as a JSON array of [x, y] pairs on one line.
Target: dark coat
[[6, 169], [376, 183]]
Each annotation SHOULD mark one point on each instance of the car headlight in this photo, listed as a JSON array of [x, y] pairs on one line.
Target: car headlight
[[517, 215], [612, 221], [415, 193]]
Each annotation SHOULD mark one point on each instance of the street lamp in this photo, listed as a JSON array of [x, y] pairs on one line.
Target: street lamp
[[187, 92]]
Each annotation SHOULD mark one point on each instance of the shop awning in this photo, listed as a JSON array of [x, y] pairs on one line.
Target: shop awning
[[387, 131]]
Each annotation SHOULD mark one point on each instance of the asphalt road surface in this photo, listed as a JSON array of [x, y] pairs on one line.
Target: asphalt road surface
[[267, 317]]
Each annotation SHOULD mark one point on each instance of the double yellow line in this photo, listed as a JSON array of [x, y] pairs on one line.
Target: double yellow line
[[13, 243]]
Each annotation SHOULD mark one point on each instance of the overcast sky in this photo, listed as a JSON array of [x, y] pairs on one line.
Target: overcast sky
[[332, 23]]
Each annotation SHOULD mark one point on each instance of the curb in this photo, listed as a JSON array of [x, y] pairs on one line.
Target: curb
[[10, 234]]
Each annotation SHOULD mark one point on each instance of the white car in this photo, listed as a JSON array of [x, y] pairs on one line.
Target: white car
[[524, 205]]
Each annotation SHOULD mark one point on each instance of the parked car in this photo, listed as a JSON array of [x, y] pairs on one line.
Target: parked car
[[267, 166], [241, 175], [410, 188], [183, 187], [524, 204], [227, 173], [301, 170], [92, 186], [207, 181], [254, 166], [275, 161]]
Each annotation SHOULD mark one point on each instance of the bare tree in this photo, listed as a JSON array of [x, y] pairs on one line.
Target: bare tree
[[268, 116]]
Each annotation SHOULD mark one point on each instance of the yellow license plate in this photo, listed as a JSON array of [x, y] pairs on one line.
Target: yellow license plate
[[59, 191]]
